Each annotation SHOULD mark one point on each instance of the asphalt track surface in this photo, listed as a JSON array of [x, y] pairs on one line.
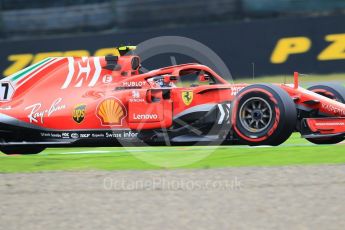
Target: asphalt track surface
[[293, 197]]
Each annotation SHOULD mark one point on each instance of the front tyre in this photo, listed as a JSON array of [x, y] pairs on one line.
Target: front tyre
[[263, 114], [326, 140], [333, 91], [21, 150], [330, 90]]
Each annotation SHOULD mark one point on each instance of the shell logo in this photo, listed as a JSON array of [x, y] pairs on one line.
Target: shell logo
[[111, 111]]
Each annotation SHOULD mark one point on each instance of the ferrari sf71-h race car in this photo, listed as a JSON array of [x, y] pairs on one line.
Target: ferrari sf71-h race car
[[109, 101]]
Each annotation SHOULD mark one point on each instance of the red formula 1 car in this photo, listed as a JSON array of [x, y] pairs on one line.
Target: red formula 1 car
[[107, 101]]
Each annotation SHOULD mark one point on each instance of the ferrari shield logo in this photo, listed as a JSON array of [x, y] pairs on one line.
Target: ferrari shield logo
[[187, 97]]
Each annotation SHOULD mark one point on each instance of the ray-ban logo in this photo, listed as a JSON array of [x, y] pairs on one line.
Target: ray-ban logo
[[37, 114]]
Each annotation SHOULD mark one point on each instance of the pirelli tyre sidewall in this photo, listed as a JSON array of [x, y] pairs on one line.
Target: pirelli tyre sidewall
[[277, 128]]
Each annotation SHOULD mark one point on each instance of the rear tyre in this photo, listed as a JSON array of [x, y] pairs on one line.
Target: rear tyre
[[263, 114], [21, 150], [332, 91]]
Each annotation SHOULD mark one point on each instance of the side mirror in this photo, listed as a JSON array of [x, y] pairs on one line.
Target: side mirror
[[149, 96], [169, 78], [203, 77], [173, 78]]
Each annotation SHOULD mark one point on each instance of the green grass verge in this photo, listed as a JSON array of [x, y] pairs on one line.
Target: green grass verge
[[295, 151]]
